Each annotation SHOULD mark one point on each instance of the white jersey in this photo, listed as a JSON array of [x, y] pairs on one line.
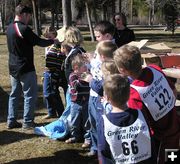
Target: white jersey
[[95, 71], [130, 144], [158, 96]]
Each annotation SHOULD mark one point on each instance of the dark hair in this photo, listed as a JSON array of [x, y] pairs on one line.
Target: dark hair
[[105, 27], [117, 89], [123, 17], [77, 60], [22, 9], [49, 30]]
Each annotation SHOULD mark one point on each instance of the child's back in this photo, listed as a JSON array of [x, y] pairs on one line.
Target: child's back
[[152, 93], [126, 135]]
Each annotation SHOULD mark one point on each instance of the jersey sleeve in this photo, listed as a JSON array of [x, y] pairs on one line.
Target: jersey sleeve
[[97, 86], [134, 101]]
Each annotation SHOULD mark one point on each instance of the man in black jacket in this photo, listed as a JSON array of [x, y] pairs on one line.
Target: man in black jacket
[[21, 40]]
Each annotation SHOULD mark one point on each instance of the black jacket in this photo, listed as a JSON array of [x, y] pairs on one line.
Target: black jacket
[[20, 41], [74, 51], [124, 36]]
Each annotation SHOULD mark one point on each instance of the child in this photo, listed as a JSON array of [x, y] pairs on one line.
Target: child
[[104, 30], [124, 131], [73, 39], [105, 51], [108, 67], [71, 46], [65, 48], [152, 93], [54, 77], [79, 91]]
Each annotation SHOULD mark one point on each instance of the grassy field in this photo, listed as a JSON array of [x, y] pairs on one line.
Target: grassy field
[[17, 146]]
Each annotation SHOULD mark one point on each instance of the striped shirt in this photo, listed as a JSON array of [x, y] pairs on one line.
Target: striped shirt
[[79, 89], [55, 60]]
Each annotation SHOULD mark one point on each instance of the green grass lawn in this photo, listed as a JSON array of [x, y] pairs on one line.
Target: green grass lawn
[[17, 146]]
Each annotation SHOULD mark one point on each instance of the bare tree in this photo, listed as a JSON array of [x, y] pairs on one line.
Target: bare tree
[[151, 4], [67, 18], [35, 13], [89, 21], [2, 15]]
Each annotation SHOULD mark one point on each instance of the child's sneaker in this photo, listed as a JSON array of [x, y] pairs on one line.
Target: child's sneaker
[[92, 153], [85, 145], [71, 140], [49, 117]]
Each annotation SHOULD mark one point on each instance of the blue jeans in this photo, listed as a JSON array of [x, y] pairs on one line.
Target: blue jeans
[[79, 119], [68, 98], [95, 110], [92, 119], [26, 83], [52, 97]]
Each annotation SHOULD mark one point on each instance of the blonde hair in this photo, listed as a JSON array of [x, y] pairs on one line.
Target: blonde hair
[[66, 47], [106, 48], [129, 58], [73, 36], [49, 30], [109, 67]]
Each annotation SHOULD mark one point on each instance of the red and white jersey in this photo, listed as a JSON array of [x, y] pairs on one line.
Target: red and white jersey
[[158, 96], [127, 143]]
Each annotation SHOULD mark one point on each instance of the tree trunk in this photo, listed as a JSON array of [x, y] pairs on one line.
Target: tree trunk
[[131, 11], [67, 18], [120, 4], [74, 10], [150, 17], [95, 12], [52, 12], [2, 14], [113, 10], [57, 22], [35, 17], [89, 22], [52, 18], [39, 17], [104, 12]]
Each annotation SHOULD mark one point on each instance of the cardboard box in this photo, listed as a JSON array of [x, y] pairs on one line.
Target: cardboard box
[[158, 49], [170, 61], [164, 61]]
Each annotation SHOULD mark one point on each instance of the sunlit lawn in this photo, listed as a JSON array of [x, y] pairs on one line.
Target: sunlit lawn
[[17, 146]]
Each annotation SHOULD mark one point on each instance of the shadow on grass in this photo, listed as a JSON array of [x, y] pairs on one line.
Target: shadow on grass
[[8, 137], [159, 37], [4, 97], [3, 104], [61, 157]]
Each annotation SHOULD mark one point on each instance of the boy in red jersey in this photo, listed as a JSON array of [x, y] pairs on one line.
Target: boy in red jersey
[[154, 95]]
